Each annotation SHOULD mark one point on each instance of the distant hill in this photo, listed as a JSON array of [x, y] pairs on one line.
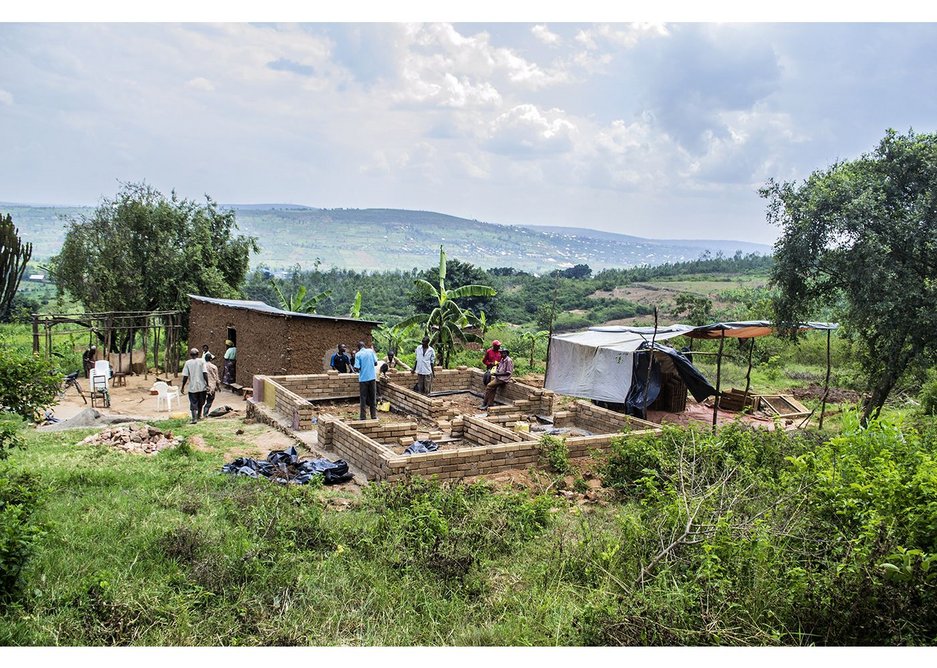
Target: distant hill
[[379, 239]]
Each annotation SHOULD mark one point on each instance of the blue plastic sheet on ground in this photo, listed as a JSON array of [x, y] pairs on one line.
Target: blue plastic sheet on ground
[[284, 466]]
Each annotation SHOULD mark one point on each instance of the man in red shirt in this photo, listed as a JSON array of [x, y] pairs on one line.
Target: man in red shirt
[[491, 359], [501, 376]]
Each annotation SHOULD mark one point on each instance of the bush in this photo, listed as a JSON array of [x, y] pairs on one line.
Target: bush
[[928, 393], [556, 453], [18, 497], [28, 382]]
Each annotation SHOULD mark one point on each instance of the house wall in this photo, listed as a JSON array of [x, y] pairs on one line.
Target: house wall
[[270, 344]]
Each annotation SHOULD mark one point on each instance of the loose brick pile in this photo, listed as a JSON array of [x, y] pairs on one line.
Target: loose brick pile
[[136, 437]]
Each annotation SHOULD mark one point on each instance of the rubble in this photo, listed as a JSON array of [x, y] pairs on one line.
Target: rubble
[[137, 437]]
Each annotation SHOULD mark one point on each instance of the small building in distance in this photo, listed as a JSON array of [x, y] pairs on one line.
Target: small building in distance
[[269, 340]]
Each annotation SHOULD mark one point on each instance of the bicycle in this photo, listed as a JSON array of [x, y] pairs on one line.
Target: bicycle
[[71, 380]]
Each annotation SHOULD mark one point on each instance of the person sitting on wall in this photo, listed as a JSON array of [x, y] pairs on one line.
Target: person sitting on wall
[[230, 363], [341, 362], [491, 359], [501, 376]]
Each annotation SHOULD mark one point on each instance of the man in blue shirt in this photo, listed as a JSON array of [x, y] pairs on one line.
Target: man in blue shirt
[[341, 362], [365, 361]]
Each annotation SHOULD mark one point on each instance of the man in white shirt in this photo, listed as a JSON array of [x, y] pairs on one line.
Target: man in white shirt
[[194, 373], [423, 368]]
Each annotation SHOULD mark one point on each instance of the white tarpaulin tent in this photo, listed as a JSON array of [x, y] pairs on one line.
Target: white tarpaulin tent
[[598, 363]]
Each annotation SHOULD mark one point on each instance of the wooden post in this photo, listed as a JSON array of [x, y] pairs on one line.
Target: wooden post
[[546, 364], [156, 348], [35, 333], [650, 365], [748, 374], [722, 340], [826, 383]]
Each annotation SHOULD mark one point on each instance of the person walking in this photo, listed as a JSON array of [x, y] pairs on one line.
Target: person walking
[[194, 373], [365, 364], [501, 376], [230, 363], [214, 382], [423, 367]]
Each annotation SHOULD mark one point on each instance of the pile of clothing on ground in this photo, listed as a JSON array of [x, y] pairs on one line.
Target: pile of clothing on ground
[[283, 466]]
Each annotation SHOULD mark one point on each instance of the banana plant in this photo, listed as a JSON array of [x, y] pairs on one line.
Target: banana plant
[[356, 307], [448, 324], [297, 302]]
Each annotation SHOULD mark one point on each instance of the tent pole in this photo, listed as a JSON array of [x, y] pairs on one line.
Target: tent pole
[[748, 374], [546, 364], [650, 362], [826, 383], [722, 340]]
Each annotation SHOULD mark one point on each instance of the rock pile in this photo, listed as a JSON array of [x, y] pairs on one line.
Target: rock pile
[[136, 437]]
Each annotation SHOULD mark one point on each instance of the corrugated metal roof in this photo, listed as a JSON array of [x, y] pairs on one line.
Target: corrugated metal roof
[[263, 307]]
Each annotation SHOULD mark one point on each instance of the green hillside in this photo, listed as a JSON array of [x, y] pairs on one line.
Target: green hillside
[[380, 239]]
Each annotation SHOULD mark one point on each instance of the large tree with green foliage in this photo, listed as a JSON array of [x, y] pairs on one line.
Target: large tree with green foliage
[[458, 273], [862, 234], [142, 251], [447, 323], [14, 255]]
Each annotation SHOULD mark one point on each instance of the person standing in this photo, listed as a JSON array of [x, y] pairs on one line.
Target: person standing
[[423, 367], [88, 358], [365, 364], [341, 362], [206, 352], [230, 363], [214, 383], [194, 373], [491, 359], [501, 376]]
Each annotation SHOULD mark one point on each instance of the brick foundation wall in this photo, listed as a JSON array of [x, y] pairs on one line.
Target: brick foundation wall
[[464, 462], [598, 420], [322, 385], [363, 452], [386, 433], [414, 403], [483, 432]]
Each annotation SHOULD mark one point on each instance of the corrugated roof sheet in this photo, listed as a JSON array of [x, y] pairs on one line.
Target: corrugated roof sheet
[[263, 307]]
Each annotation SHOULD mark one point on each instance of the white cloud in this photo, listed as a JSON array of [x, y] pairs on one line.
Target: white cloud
[[524, 131], [542, 33], [200, 83], [6, 98]]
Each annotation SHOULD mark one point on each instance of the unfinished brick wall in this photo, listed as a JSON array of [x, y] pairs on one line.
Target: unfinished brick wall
[[598, 420], [354, 447], [481, 431], [386, 433], [319, 386], [414, 403]]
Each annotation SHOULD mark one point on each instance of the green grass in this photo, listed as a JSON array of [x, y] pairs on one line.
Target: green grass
[[165, 550]]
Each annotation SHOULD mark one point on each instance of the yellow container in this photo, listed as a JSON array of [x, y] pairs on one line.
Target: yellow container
[[384, 406]]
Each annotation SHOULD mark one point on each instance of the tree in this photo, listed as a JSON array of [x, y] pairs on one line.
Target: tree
[[14, 255], [143, 252], [862, 234], [447, 323], [697, 309]]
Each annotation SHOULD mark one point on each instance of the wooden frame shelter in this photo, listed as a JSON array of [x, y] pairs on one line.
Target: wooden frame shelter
[[117, 332]]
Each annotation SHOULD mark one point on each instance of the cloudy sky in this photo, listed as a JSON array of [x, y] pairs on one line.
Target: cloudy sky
[[659, 130]]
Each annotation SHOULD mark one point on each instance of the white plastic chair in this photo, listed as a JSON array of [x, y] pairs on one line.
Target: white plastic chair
[[165, 395], [103, 368], [99, 391]]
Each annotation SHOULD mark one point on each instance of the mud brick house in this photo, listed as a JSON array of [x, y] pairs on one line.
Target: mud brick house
[[269, 340]]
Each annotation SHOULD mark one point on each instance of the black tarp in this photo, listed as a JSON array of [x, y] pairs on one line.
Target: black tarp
[[284, 466], [636, 401]]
